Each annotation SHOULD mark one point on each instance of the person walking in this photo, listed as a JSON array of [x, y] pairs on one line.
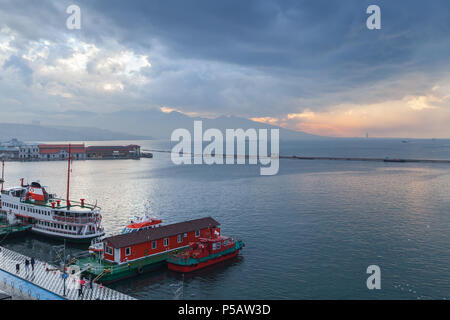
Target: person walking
[[91, 281], [27, 265], [17, 267], [32, 263]]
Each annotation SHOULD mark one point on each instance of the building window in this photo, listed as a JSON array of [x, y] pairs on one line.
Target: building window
[[166, 242], [153, 244], [127, 251], [108, 250], [197, 233], [180, 238]]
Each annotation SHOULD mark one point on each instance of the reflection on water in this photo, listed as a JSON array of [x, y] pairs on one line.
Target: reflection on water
[[310, 231]]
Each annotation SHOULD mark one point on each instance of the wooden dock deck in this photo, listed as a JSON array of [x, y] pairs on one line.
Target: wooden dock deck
[[52, 280]]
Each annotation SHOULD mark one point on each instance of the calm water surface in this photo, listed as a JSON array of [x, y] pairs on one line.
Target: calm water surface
[[310, 231]]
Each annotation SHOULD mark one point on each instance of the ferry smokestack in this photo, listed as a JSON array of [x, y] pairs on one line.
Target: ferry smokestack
[[82, 202], [53, 205], [21, 182]]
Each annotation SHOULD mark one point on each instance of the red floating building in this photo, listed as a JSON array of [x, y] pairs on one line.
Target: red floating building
[[125, 248]]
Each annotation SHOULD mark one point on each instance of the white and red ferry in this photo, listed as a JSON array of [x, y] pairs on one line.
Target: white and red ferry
[[49, 215]]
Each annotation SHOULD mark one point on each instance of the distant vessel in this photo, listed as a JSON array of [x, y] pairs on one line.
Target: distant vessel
[[205, 252], [51, 216]]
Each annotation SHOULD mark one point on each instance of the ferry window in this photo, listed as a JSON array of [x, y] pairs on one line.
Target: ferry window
[[225, 243], [153, 244], [127, 251], [109, 250], [197, 233], [146, 252], [180, 238], [185, 235], [218, 245], [166, 242]]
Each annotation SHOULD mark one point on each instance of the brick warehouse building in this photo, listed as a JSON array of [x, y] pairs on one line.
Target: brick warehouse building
[[113, 152], [61, 151]]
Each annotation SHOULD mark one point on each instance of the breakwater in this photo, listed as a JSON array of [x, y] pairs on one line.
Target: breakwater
[[295, 157]]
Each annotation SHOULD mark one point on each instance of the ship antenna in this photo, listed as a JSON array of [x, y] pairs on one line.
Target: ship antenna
[[68, 176]]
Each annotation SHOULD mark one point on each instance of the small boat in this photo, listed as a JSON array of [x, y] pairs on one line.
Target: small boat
[[141, 223], [205, 252]]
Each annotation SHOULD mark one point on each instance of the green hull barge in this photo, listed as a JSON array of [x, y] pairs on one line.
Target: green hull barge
[[106, 272]]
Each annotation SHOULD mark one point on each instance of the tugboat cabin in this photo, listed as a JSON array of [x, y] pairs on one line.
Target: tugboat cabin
[[128, 247]]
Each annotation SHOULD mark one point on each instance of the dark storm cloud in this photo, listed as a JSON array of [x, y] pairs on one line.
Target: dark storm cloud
[[313, 47], [255, 57], [302, 36]]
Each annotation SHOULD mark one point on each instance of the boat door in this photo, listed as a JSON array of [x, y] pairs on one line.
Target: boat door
[[117, 255]]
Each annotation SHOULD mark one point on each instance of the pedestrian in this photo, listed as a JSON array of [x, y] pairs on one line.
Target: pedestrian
[[27, 265], [17, 268], [91, 281], [32, 263]]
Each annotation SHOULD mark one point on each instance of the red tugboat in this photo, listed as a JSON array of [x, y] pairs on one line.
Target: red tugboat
[[205, 252]]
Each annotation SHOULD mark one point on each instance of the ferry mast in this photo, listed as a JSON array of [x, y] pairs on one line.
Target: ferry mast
[[68, 176]]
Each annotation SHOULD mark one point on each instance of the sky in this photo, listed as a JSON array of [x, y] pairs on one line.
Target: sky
[[310, 66]]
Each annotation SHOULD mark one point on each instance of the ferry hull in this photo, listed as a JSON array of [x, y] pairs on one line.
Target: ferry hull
[[68, 239], [189, 268]]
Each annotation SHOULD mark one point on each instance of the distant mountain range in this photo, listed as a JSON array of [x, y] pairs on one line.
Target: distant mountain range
[[29, 132], [148, 124]]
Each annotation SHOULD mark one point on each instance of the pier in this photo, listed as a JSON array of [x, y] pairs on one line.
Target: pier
[[49, 278], [368, 159], [294, 157]]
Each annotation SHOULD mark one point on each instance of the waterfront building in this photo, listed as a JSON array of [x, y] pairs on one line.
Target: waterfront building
[[61, 151], [29, 152], [113, 152]]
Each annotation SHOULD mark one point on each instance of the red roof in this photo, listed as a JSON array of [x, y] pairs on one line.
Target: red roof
[[56, 148], [128, 239]]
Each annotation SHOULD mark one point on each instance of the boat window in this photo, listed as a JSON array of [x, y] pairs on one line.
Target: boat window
[[180, 238], [109, 250], [218, 245], [166, 242], [153, 244], [127, 251], [197, 233]]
